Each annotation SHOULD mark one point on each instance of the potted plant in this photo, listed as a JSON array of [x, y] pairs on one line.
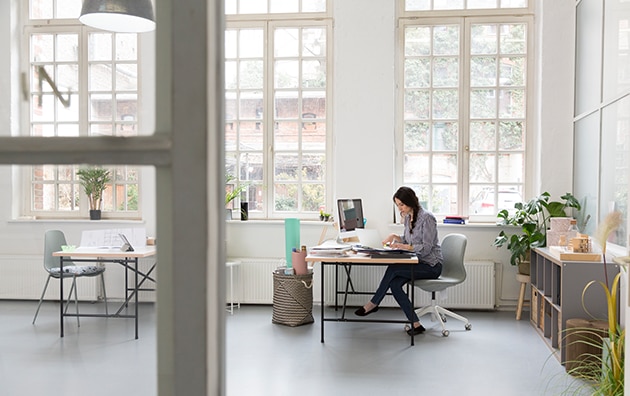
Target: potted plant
[[231, 194], [94, 180], [531, 218]]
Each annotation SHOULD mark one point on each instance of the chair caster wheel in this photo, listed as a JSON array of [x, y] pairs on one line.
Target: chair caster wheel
[[468, 326], [407, 327], [445, 333]]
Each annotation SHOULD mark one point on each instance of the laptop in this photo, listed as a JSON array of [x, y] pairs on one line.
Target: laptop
[[126, 247], [369, 238]]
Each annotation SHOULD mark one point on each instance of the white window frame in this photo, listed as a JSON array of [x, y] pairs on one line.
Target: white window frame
[[465, 18], [25, 172]]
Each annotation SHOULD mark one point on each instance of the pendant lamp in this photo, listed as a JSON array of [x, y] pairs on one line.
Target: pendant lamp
[[125, 16]]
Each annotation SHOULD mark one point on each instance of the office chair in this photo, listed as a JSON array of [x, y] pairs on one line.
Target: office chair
[[53, 241], [453, 273]]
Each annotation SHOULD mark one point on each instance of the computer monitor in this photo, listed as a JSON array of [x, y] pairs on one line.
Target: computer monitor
[[350, 217]]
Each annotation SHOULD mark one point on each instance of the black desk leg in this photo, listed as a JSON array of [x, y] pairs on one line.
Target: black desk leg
[[413, 301], [137, 292], [61, 294], [322, 298]]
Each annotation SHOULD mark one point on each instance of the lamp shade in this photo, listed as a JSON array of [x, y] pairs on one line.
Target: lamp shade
[[126, 16]]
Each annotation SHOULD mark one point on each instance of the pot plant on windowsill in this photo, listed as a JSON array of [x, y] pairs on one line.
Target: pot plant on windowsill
[[94, 180], [231, 194], [531, 218]]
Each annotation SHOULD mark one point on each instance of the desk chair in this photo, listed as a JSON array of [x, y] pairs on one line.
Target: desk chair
[[453, 273], [53, 241]]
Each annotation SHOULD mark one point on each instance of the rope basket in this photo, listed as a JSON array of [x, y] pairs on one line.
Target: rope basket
[[292, 299]]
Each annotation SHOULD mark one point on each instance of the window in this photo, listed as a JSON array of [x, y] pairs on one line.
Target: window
[[82, 82], [463, 105], [276, 127]]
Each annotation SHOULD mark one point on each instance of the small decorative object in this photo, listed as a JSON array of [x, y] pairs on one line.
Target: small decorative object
[[323, 216], [231, 194], [94, 180], [244, 211]]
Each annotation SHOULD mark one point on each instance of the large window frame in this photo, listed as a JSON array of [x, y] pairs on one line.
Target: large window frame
[[54, 191], [457, 192], [299, 188]]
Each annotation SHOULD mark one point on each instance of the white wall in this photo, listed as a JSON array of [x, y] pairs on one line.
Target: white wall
[[363, 121]]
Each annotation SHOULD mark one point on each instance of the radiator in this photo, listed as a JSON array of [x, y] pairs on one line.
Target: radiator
[[253, 281]]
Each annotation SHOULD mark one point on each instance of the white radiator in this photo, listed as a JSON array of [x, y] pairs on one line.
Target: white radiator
[[253, 281]]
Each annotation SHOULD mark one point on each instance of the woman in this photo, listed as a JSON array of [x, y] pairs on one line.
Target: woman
[[420, 236]]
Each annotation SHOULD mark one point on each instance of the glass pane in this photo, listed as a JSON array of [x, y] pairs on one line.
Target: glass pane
[[445, 136], [513, 39], [314, 137], [511, 168], [286, 167], [100, 107], [42, 48], [483, 39], [483, 71], [99, 47], [126, 46], [250, 43], [68, 113], [43, 108], [286, 104], [445, 72], [616, 78], [230, 75], [286, 42], [68, 8], [41, 9], [417, 73], [513, 71], [444, 168], [286, 74], [67, 78], [313, 42], [250, 135], [127, 77], [314, 104], [230, 7], [417, 5], [483, 136], [445, 104], [68, 130], [100, 77], [286, 136], [66, 197], [588, 55], [416, 104], [251, 167], [446, 40], [444, 200], [511, 135], [313, 74], [285, 197], [313, 5], [416, 136], [482, 168], [512, 103], [514, 3], [101, 130], [481, 4], [230, 44], [587, 169], [252, 7], [67, 48], [483, 103], [313, 167], [313, 197], [251, 106], [417, 41], [416, 168], [448, 4], [251, 75]]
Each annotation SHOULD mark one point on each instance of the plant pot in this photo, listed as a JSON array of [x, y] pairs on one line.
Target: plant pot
[[524, 267], [95, 214], [244, 211]]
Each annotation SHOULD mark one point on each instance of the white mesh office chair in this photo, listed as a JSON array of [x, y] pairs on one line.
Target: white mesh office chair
[[453, 273], [53, 240]]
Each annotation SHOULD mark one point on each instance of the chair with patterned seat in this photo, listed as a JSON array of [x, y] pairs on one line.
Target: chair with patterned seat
[[53, 242]]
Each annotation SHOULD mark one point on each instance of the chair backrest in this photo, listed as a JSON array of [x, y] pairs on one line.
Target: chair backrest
[[53, 240], [453, 249]]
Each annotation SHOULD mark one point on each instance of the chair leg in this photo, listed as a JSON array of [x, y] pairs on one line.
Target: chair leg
[[104, 293], [521, 299], [41, 299]]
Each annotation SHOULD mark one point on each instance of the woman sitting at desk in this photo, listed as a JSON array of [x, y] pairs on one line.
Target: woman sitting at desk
[[420, 236]]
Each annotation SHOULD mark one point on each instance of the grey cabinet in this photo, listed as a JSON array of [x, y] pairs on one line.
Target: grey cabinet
[[558, 295]]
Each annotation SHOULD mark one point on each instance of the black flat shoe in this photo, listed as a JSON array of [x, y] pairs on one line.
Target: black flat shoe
[[361, 311], [416, 330]]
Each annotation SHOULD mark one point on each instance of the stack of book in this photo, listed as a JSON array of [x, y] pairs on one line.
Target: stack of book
[[454, 220]]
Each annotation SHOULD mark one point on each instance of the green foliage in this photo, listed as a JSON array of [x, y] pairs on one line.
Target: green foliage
[[94, 180], [532, 218], [230, 195]]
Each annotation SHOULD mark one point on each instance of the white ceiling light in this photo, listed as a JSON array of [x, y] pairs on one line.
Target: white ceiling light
[[126, 16]]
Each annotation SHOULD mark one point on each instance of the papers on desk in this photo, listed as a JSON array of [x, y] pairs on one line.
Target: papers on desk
[[111, 237], [331, 248], [385, 252]]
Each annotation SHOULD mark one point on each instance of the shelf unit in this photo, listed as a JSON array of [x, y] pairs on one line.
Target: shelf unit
[[557, 288]]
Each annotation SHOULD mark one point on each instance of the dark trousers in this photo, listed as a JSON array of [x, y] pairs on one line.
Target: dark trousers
[[396, 277]]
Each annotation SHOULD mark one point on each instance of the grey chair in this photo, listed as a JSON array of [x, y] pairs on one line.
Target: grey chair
[[453, 273], [53, 241]]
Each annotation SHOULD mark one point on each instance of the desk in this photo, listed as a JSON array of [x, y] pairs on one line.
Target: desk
[[129, 260], [347, 262]]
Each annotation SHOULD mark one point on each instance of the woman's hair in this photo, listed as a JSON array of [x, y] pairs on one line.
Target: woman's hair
[[407, 196]]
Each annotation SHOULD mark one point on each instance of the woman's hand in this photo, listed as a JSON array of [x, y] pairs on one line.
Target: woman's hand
[[391, 239], [401, 246]]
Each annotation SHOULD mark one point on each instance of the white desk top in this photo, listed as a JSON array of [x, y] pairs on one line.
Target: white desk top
[[107, 252], [356, 259]]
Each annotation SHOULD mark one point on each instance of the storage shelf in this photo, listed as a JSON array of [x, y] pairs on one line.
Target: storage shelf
[[556, 288]]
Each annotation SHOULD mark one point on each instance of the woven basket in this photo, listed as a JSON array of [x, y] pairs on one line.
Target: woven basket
[[292, 299]]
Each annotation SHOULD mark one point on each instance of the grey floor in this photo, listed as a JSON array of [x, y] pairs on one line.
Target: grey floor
[[499, 356]]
